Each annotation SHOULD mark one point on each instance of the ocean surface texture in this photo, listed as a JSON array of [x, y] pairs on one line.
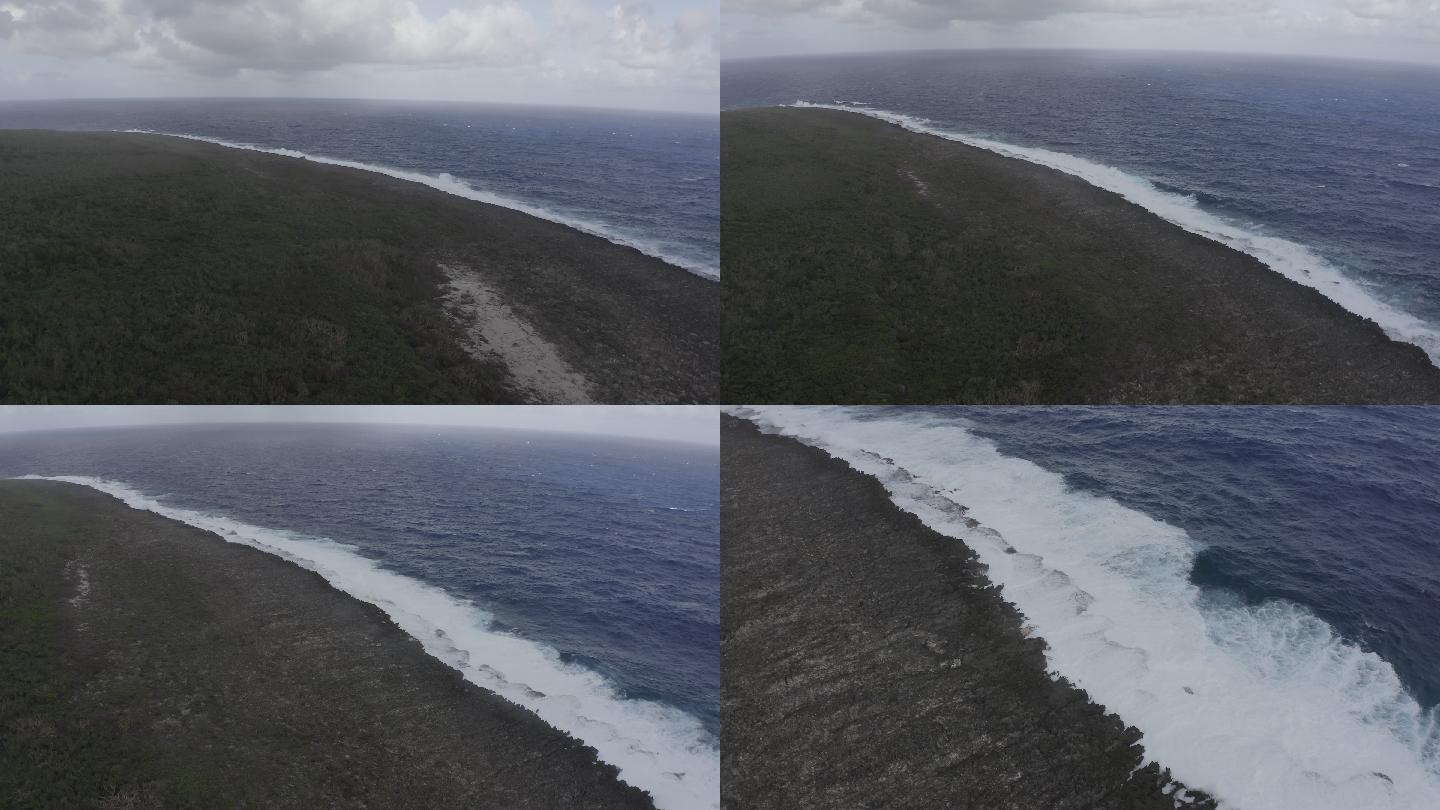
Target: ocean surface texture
[[647, 180], [1253, 588], [576, 576], [1327, 171]]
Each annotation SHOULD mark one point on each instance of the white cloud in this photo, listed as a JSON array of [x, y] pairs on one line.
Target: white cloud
[[922, 13], [1404, 30], [623, 45], [223, 36], [688, 423]]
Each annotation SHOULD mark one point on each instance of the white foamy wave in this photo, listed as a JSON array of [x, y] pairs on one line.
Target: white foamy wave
[[1290, 259], [1265, 707], [452, 185], [657, 748]]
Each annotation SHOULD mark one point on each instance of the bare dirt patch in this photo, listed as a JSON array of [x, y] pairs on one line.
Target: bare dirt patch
[[493, 330]]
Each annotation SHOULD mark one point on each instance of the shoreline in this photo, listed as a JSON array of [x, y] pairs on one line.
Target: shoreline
[[167, 269], [184, 668], [1330, 282], [1109, 591], [446, 183], [962, 275], [833, 593], [655, 747]]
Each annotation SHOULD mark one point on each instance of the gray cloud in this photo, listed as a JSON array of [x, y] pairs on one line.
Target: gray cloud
[[219, 37], [1419, 19], [627, 44], [687, 423], [922, 13]]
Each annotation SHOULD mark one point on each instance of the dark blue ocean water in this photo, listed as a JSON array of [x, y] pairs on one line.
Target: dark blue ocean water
[[1342, 158], [605, 550], [1337, 509], [651, 180]]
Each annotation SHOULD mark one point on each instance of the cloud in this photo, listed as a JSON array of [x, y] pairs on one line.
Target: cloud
[[925, 13], [628, 43], [687, 423], [223, 36], [1413, 19], [632, 37]]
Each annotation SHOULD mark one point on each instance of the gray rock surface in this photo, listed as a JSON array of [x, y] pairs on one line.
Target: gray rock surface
[[868, 663]]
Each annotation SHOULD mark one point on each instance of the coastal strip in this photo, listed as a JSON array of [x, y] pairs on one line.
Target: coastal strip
[[450, 184], [148, 268], [657, 747], [870, 263], [868, 661], [149, 663], [1292, 260], [1290, 711]]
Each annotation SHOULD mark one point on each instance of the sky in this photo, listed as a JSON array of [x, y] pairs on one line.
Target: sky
[[696, 424], [1397, 30], [636, 54]]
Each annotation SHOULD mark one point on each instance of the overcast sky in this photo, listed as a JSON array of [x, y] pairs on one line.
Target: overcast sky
[[1404, 30], [686, 423], [646, 54]]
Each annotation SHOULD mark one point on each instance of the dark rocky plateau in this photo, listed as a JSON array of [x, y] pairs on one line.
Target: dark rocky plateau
[[865, 263], [150, 269], [145, 663], [868, 663]]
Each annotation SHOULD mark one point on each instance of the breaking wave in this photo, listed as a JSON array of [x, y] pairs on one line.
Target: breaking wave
[[1263, 706]]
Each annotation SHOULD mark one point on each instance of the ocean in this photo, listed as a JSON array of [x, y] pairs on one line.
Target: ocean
[[647, 180], [577, 576], [1253, 588], [1327, 171]]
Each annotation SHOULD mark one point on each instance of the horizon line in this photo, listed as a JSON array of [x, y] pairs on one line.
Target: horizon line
[[287, 423], [481, 103], [1081, 49]]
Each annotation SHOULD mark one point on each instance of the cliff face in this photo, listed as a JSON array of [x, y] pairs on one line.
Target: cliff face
[[867, 662], [146, 663], [868, 264]]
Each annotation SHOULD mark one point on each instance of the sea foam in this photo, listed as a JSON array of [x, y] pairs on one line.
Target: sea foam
[[657, 748], [450, 184], [1290, 259], [1264, 706]]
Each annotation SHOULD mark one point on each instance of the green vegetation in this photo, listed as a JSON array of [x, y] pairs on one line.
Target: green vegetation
[[145, 663], [868, 264], [56, 750], [138, 268]]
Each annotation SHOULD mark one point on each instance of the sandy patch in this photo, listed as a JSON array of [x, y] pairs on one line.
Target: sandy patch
[[494, 330]]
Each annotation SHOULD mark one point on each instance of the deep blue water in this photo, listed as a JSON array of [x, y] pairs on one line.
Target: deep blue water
[[649, 179], [604, 550], [1342, 158], [1337, 509]]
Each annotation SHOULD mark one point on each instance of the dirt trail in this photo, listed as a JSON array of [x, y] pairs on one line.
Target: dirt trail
[[494, 330]]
